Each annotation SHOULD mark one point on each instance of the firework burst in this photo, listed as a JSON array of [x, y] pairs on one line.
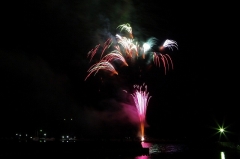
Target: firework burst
[[141, 98], [127, 48]]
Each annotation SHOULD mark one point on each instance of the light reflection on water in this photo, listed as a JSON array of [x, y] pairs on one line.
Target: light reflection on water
[[178, 151], [222, 155], [142, 157], [167, 148], [156, 149], [117, 151]]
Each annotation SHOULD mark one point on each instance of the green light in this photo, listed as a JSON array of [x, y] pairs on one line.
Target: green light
[[222, 155], [221, 130]]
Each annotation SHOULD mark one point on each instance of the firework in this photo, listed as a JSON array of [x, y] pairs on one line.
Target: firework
[[124, 46], [93, 52], [170, 44], [157, 58], [102, 65], [149, 44], [141, 98], [106, 45], [127, 48], [126, 27], [115, 55]]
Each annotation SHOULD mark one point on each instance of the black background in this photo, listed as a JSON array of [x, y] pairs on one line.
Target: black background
[[43, 62]]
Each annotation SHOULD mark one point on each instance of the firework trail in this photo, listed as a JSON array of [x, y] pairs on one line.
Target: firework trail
[[104, 65], [127, 48], [115, 55], [141, 98], [93, 52], [106, 45], [164, 59], [170, 44]]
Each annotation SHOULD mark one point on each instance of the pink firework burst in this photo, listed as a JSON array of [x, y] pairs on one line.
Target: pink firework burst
[[141, 98]]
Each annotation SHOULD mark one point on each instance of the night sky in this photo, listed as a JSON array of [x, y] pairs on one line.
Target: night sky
[[43, 62]]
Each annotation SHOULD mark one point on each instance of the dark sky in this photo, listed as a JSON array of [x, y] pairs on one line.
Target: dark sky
[[43, 62]]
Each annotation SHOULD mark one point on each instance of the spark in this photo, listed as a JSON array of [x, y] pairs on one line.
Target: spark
[[142, 138]]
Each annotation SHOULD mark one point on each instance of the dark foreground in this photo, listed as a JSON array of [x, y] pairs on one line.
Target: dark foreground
[[99, 149], [58, 149]]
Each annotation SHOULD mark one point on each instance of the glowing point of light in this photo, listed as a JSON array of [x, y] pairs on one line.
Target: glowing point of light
[[142, 139], [221, 130]]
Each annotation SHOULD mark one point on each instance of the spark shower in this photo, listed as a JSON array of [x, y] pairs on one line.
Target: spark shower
[[141, 98], [125, 49]]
